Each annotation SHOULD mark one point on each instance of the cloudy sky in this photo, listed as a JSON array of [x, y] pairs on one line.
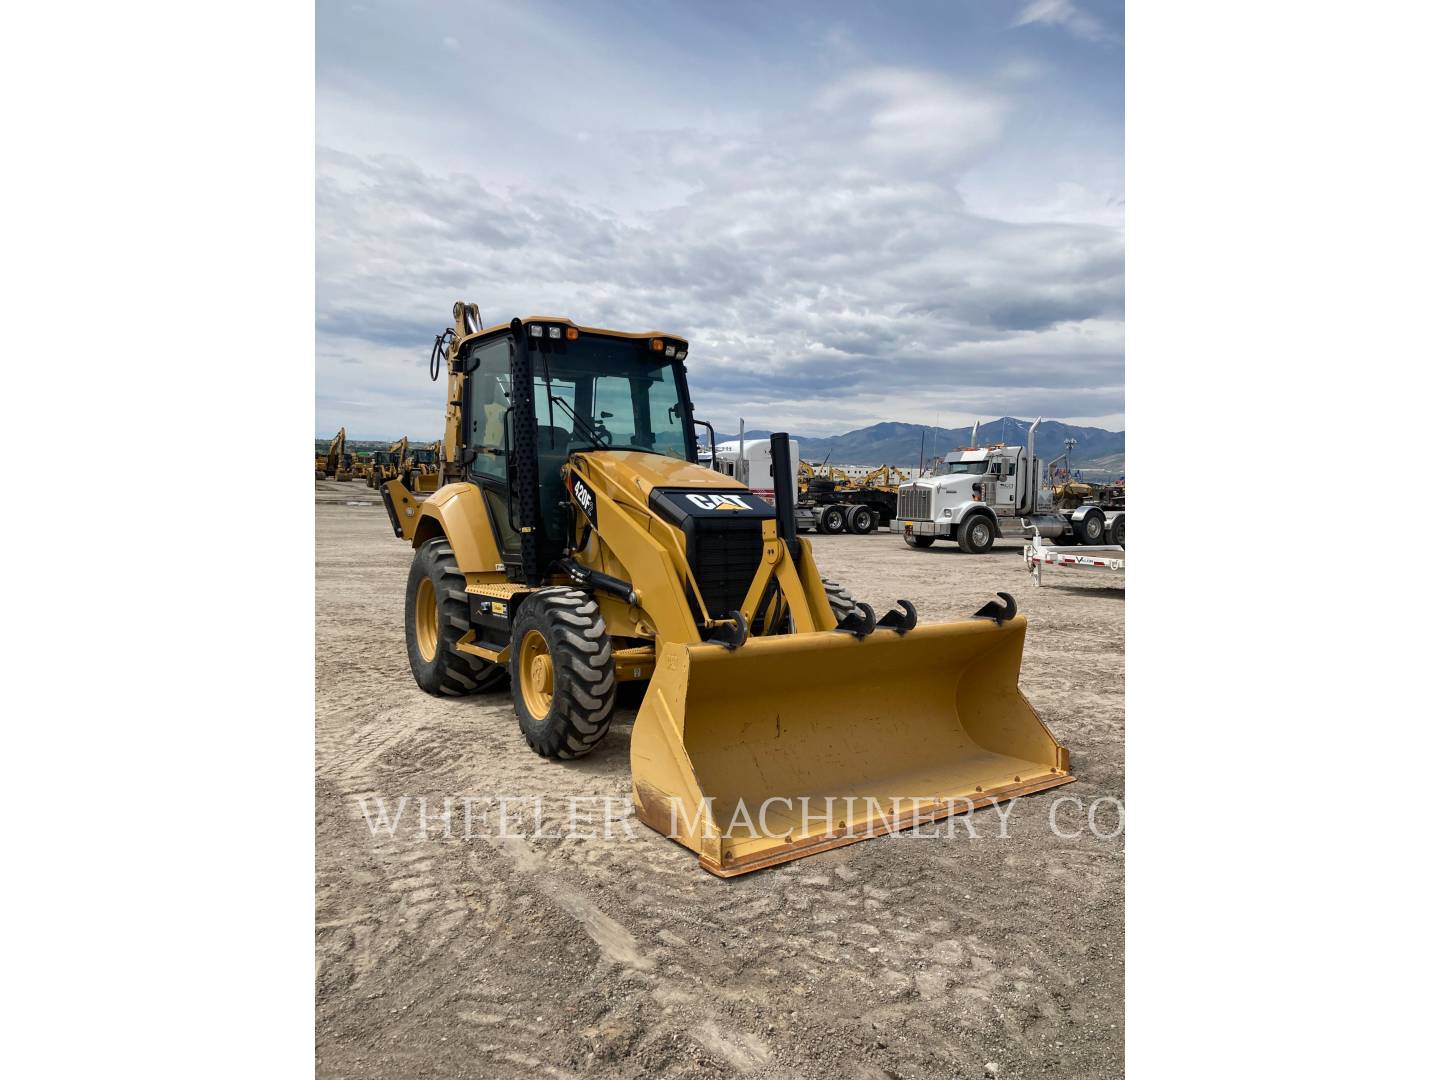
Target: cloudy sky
[[855, 212]]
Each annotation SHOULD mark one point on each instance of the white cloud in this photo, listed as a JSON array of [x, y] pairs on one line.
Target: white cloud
[[846, 255], [918, 116], [1066, 14]]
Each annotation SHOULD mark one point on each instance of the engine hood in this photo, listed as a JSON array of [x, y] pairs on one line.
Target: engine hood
[[640, 473], [958, 482]]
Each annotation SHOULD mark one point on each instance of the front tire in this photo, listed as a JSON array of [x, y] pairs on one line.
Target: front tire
[[841, 602], [437, 616], [977, 535], [919, 541], [562, 673]]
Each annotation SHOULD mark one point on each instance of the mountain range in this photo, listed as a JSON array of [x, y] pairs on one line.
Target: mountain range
[[1097, 451], [894, 443]]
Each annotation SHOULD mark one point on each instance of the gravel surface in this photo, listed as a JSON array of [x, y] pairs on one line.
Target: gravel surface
[[997, 954]]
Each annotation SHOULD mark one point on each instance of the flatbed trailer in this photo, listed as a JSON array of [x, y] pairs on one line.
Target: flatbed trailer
[[1095, 558]]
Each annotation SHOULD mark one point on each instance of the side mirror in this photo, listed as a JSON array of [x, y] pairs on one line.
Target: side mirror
[[714, 462]]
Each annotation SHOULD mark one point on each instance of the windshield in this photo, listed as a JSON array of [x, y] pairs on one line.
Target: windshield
[[610, 392], [973, 468], [424, 457]]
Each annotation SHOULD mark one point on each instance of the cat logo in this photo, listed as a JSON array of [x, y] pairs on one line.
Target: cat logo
[[726, 501]]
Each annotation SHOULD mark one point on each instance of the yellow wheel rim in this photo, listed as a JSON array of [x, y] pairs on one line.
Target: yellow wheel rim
[[537, 674], [427, 620]]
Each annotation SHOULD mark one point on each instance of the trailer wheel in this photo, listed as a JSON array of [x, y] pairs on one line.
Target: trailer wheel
[[830, 520], [319, 474], [437, 615], [919, 541], [1115, 531], [860, 519], [562, 672], [977, 534], [1091, 529]]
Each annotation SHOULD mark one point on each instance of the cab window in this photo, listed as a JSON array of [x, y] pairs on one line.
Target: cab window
[[489, 393]]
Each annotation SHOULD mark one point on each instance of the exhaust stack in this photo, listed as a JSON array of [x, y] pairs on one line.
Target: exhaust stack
[[783, 469]]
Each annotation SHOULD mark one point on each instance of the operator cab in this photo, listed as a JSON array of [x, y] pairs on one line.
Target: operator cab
[[581, 390]]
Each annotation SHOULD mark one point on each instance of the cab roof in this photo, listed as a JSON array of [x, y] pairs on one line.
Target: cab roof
[[560, 320]]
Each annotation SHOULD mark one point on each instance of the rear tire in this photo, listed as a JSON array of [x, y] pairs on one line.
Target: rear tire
[[562, 673], [977, 534], [860, 519], [919, 541], [1115, 531], [1091, 529], [437, 616], [830, 520]]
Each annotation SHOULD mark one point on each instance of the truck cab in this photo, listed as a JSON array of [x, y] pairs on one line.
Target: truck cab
[[754, 467], [980, 493]]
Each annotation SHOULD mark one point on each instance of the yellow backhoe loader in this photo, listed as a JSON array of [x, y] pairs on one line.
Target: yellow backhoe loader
[[390, 464], [575, 543], [423, 475]]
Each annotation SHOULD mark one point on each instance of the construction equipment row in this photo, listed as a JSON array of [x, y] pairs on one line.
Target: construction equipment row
[[418, 469]]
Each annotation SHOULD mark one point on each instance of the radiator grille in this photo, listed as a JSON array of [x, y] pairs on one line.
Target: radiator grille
[[913, 503], [724, 553]]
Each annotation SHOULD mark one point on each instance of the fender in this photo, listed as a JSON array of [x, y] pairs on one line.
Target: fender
[[457, 512], [969, 508], [1078, 514]]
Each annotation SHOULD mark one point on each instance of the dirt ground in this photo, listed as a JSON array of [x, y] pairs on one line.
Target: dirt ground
[[526, 955]]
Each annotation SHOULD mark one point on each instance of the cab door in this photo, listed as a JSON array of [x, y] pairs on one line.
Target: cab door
[[1004, 479]]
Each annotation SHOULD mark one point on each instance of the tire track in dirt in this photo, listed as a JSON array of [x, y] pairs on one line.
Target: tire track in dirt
[[899, 957]]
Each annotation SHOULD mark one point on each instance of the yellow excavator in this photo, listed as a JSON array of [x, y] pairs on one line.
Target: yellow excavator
[[335, 462], [883, 478], [576, 543]]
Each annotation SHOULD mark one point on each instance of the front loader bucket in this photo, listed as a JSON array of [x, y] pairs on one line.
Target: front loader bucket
[[793, 744]]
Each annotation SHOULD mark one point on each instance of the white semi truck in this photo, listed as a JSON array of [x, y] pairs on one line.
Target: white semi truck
[[980, 493], [755, 470]]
